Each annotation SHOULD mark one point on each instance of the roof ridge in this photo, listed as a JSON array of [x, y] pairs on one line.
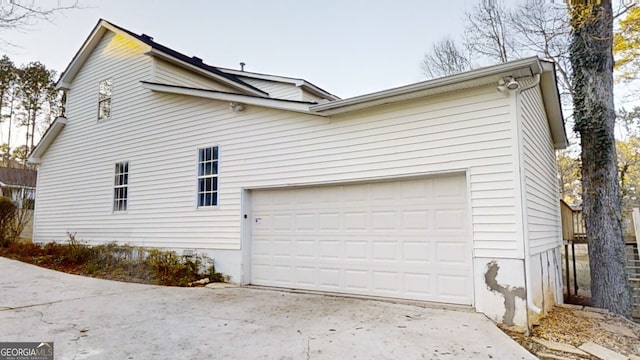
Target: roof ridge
[[192, 60]]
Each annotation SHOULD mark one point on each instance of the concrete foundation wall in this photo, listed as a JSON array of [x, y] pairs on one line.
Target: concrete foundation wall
[[500, 290], [546, 282]]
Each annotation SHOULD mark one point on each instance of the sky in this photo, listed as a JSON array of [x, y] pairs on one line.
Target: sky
[[346, 47]]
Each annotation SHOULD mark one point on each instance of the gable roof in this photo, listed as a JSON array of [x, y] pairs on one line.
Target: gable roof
[[18, 177], [156, 49]]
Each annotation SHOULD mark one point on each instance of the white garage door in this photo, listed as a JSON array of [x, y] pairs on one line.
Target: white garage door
[[404, 239]]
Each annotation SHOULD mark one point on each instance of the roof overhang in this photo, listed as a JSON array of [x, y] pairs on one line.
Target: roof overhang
[[150, 48], [552, 105], [102, 27], [301, 83], [523, 68], [235, 85], [50, 135], [461, 81], [280, 104]]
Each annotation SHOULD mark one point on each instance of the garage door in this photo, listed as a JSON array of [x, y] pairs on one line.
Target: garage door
[[405, 239]]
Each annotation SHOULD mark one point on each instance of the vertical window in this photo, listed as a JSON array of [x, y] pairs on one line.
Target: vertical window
[[120, 186], [104, 99], [208, 176]]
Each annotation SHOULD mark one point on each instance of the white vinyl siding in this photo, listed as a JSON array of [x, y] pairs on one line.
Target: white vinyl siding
[[541, 187], [310, 97], [467, 130], [275, 89], [167, 73]]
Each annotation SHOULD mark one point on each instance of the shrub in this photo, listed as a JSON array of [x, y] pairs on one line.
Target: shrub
[[7, 212], [117, 262]]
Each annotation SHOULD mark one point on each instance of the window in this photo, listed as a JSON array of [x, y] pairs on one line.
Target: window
[[208, 176], [120, 186], [104, 99]]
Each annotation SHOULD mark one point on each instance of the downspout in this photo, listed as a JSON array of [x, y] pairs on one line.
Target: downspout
[[527, 272]]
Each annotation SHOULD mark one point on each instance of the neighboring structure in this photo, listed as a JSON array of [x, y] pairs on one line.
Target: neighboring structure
[[443, 190], [19, 185]]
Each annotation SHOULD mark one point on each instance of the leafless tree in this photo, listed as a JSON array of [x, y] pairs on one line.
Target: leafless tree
[[23, 14], [543, 30], [488, 33], [446, 58]]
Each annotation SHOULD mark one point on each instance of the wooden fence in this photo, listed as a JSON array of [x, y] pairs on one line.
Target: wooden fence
[[573, 232]]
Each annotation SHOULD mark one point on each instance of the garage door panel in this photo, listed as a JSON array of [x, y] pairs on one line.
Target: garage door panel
[[451, 253], [356, 250], [418, 252], [404, 239]]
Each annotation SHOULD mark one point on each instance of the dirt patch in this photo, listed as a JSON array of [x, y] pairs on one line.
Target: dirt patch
[[576, 327]]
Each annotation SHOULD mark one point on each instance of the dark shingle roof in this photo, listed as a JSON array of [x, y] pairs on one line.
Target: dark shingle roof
[[195, 61], [18, 177]]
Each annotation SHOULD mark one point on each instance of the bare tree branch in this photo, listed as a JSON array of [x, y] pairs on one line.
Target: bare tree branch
[[23, 14], [487, 32], [445, 58]]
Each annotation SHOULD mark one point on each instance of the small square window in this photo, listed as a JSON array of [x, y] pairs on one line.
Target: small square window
[[208, 176], [104, 99]]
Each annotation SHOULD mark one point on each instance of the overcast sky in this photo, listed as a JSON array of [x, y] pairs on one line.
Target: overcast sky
[[346, 47]]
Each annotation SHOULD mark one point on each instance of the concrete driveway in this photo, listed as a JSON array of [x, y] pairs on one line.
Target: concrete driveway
[[98, 319]]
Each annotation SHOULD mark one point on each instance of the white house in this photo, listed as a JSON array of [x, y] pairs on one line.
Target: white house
[[441, 191]]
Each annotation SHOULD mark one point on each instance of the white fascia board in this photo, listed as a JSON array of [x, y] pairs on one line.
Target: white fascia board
[[222, 79], [47, 139], [304, 84], [288, 105], [309, 87], [64, 83], [552, 105], [520, 68], [268, 77]]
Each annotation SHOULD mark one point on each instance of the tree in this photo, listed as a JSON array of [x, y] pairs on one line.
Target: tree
[[20, 154], [628, 153], [487, 31], [494, 33], [23, 14], [569, 177], [626, 46], [594, 115], [8, 75], [446, 58], [36, 89]]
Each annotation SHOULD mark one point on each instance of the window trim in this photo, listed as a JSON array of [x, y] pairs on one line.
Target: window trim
[[120, 204], [107, 99], [216, 176]]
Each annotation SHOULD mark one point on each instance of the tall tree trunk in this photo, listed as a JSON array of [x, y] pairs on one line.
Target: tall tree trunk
[[594, 112]]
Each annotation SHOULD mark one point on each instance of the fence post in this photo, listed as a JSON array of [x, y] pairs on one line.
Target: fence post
[[636, 226]]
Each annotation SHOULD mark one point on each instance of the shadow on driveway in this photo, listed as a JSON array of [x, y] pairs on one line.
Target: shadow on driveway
[[90, 318]]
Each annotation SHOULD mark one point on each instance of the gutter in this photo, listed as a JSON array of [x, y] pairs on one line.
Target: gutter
[[334, 107], [233, 98]]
